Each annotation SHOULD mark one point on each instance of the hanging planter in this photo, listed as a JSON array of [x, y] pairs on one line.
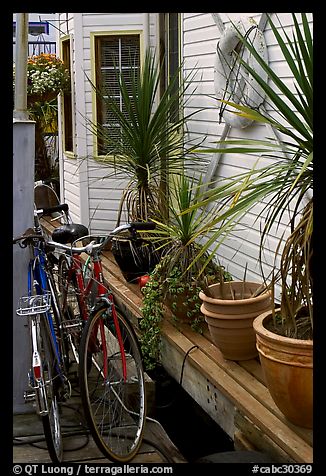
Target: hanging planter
[[47, 76], [47, 96]]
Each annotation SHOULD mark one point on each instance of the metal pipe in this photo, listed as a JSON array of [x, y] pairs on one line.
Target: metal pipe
[[20, 110]]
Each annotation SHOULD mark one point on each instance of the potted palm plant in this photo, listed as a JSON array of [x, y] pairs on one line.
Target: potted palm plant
[[286, 184], [144, 145], [174, 286]]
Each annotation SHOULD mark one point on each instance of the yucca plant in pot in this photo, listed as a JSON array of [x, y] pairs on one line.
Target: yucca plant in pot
[[140, 142], [173, 288], [286, 186]]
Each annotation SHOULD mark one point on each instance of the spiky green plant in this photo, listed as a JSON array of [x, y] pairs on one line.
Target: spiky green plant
[[179, 242], [146, 146]]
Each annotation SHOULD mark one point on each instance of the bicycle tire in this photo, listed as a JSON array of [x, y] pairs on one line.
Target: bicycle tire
[[115, 406], [51, 383]]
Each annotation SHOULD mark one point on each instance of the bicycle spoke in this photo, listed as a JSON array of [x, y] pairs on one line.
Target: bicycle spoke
[[114, 400]]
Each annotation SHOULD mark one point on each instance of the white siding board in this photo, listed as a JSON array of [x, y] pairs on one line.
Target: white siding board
[[201, 34], [72, 198], [105, 203], [100, 190], [105, 215], [118, 20], [101, 193]]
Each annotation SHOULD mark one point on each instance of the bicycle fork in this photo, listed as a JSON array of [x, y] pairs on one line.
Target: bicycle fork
[[36, 376]]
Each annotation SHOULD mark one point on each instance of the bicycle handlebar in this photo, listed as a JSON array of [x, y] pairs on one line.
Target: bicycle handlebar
[[62, 207], [93, 246], [30, 234], [142, 225]]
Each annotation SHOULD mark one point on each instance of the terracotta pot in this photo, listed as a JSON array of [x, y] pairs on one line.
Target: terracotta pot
[[230, 321], [288, 370]]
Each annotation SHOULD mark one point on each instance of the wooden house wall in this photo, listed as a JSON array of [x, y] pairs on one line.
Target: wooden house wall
[[98, 197]]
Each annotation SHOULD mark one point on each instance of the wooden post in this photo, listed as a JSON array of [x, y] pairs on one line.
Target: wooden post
[[23, 204]]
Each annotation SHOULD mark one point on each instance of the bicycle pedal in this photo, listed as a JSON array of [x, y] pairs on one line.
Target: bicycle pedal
[[29, 396], [72, 326]]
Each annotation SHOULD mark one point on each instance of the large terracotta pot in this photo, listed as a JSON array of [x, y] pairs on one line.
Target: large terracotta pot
[[288, 370], [230, 320]]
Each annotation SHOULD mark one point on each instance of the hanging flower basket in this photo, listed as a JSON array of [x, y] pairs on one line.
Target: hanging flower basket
[[47, 76]]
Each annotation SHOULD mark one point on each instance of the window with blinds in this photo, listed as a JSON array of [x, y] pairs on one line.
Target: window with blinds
[[170, 55], [67, 101], [114, 55]]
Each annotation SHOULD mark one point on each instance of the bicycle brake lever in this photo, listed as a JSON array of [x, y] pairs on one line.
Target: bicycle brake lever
[[89, 247]]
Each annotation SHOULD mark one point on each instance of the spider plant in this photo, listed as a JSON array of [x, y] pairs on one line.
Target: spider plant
[[146, 145], [286, 183]]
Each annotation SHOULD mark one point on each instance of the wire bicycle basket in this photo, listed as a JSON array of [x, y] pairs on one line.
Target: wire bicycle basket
[[36, 304]]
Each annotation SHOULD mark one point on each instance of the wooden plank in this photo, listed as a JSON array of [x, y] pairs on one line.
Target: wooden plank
[[250, 432], [254, 368], [87, 452], [241, 443], [155, 432], [279, 432], [248, 381], [156, 446]]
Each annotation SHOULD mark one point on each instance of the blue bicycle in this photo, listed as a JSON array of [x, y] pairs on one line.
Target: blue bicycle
[[47, 378]]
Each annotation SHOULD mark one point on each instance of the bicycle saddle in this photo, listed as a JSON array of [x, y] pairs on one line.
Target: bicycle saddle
[[68, 233]]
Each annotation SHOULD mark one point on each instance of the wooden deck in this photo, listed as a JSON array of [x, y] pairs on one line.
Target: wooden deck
[[232, 393], [79, 446]]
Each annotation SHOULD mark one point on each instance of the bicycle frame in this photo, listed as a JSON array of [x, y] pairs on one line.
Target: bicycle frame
[[42, 283], [75, 268]]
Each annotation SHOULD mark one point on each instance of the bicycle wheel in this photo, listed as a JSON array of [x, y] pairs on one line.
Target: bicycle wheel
[[112, 384], [51, 384], [72, 319]]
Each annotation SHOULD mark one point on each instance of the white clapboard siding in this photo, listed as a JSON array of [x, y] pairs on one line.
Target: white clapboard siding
[[71, 188], [103, 194], [200, 38]]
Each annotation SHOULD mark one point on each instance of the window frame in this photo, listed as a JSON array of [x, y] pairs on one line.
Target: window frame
[[95, 36], [32, 24], [165, 51], [67, 99]]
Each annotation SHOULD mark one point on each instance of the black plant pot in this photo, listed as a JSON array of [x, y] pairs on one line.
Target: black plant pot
[[135, 257]]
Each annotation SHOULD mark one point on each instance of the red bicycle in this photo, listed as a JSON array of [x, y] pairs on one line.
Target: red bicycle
[[103, 343]]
